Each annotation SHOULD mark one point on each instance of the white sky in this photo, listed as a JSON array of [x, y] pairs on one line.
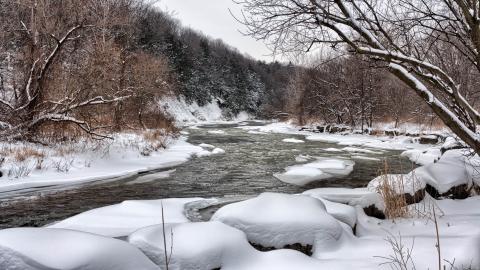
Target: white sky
[[212, 18]]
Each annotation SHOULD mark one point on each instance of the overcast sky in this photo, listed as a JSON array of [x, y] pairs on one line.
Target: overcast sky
[[212, 18]]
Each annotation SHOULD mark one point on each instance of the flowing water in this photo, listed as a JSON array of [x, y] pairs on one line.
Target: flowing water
[[246, 168]]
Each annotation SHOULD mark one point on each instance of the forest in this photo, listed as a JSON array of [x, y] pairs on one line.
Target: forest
[[67, 65]]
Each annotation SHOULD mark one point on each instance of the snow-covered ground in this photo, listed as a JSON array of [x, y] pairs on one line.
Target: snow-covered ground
[[315, 218]]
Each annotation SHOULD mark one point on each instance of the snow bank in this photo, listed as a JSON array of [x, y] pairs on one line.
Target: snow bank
[[29, 248], [276, 220], [124, 218], [122, 158], [323, 168]]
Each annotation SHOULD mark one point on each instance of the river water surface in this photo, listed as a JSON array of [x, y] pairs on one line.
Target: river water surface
[[246, 168]]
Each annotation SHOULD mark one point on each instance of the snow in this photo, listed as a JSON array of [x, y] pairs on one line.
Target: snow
[[125, 218], [38, 248], [303, 158], [375, 142], [322, 168], [216, 132], [200, 245], [339, 195], [360, 150], [208, 146], [424, 157], [218, 151], [276, 220], [458, 222], [206, 153], [186, 113], [292, 140], [121, 158]]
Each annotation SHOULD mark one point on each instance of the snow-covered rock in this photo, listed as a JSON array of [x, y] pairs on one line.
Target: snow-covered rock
[[124, 218], [42, 249], [322, 168], [453, 175], [277, 220], [200, 245], [422, 157]]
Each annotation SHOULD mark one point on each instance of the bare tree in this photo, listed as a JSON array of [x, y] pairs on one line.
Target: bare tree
[[404, 35]]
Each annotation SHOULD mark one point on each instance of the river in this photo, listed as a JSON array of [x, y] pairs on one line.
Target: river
[[246, 168]]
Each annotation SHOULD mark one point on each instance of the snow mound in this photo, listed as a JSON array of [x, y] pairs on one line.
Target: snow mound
[[292, 140], [424, 157], [202, 245], [276, 220], [125, 218], [40, 249], [454, 168], [323, 168]]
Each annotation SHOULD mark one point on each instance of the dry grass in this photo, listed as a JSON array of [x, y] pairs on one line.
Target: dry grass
[[392, 191], [393, 195], [25, 153], [156, 138]]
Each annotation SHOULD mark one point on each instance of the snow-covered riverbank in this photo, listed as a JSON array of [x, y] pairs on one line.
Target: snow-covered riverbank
[[30, 166]]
